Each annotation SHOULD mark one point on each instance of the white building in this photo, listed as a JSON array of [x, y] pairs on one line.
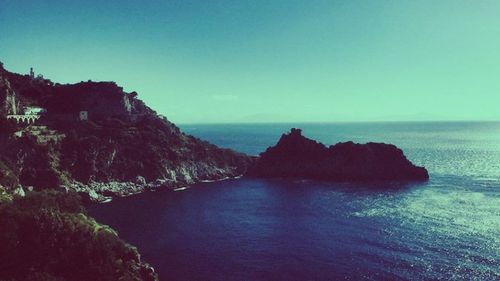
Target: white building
[[84, 115], [34, 110], [30, 116]]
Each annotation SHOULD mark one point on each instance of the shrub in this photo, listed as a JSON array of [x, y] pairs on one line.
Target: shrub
[[48, 236]]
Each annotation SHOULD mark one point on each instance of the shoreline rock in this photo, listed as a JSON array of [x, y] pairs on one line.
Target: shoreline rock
[[103, 192]]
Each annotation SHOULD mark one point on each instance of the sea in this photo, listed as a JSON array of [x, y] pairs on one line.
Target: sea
[[257, 229]]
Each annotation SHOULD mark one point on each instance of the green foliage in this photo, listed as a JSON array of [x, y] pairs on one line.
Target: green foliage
[[112, 149], [37, 167], [8, 170], [8, 176], [117, 143], [24, 161], [48, 236], [29, 91], [4, 196], [7, 127]]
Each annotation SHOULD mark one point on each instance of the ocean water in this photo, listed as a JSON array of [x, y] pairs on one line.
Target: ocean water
[[249, 229]]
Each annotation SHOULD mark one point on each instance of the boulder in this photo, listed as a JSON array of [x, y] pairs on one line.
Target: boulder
[[19, 191], [93, 195], [140, 180]]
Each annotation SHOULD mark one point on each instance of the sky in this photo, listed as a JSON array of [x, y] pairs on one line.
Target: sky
[[202, 61]]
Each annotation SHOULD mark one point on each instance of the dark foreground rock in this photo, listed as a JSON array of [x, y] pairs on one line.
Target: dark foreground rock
[[295, 156]]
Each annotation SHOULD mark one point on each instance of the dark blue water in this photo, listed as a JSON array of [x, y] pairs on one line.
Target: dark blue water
[[246, 229]]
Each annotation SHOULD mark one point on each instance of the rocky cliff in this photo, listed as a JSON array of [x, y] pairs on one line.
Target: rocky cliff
[[124, 147], [296, 156], [121, 147]]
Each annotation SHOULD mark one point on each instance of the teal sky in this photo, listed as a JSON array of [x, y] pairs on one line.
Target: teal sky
[[270, 61]]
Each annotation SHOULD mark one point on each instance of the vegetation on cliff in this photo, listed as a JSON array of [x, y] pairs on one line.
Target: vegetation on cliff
[[116, 150], [122, 139], [24, 161], [48, 236]]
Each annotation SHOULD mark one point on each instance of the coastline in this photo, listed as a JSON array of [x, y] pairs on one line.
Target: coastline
[[104, 192]]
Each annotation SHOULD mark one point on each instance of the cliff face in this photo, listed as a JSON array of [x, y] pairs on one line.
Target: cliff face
[[123, 141], [151, 148], [100, 99], [123, 147], [296, 156], [7, 98]]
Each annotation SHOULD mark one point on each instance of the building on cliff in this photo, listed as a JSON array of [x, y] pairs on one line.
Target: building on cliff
[[84, 115], [34, 110], [30, 116]]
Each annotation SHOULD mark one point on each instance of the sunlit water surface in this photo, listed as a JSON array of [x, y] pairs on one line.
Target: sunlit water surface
[[248, 229]]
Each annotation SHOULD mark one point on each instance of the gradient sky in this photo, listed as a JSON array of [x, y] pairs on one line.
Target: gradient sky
[[271, 60]]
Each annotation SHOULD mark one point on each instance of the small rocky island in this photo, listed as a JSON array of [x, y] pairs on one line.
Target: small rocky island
[[295, 156]]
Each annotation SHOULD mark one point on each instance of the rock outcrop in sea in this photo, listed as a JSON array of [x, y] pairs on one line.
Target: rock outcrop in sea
[[295, 156]]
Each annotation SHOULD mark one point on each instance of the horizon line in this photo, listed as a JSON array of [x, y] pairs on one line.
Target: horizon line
[[332, 122]]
